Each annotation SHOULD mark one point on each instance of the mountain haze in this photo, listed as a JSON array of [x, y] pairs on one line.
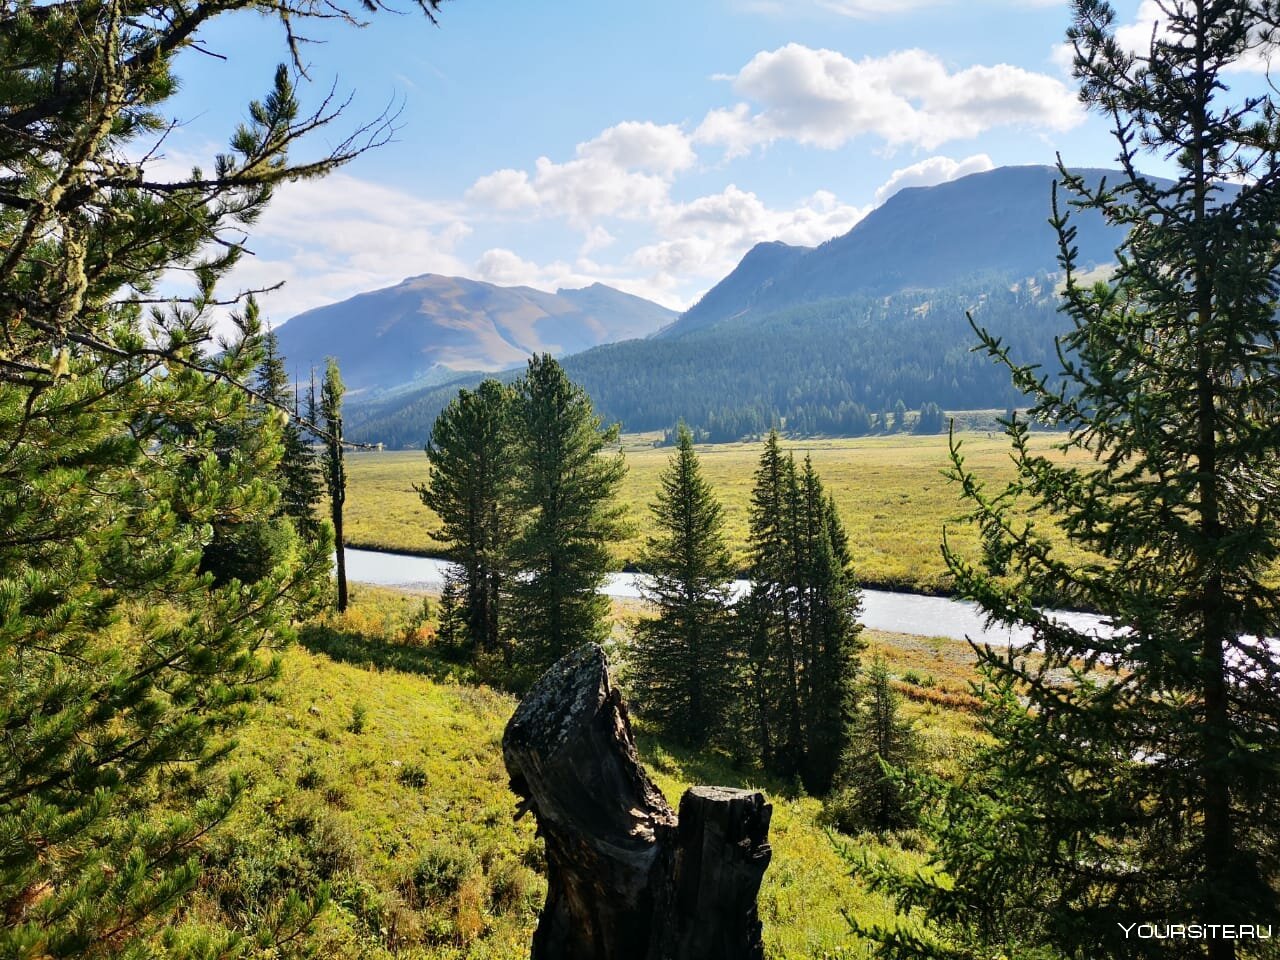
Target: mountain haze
[[431, 328]]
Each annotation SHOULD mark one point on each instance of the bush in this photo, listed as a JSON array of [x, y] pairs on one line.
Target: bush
[[437, 875]]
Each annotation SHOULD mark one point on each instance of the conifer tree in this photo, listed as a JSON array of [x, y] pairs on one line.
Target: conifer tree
[[471, 488], [123, 668], [683, 660], [869, 792], [830, 603], [298, 473], [799, 621], [566, 490], [1144, 787], [764, 613], [335, 466]]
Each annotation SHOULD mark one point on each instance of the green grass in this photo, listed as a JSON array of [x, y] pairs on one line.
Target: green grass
[[891, 493], [376, 768]]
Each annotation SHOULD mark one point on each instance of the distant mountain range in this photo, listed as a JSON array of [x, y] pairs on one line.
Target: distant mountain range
[[429, 329], [826, 339]]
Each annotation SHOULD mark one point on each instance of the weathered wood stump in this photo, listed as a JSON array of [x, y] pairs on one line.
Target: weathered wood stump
[[626, 879]]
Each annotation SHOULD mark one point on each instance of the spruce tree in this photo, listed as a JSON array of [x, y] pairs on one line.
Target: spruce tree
[[566, 489], [1142, 788], [335, 466], [830, 603], [799, 623], [471, 488], [683, 662], [298, 473], [869, 792], [765, 613]]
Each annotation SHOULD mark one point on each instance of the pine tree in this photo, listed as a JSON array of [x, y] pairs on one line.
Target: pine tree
[[869, 791], [123, 668], [566, 489], [899, 417], [799, 622], [335, 466], [764, 614], [831, 603], [1144, 787], [683, 659], [471, 488], [298, 473]]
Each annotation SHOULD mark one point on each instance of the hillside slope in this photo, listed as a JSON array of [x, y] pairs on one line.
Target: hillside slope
[[988, 226]]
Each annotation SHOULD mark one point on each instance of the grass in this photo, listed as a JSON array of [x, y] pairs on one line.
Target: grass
[[891, 494], [376, 769]]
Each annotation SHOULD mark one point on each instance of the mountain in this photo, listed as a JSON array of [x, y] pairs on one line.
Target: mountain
[[991, 224], [827, 339], [429, 329]]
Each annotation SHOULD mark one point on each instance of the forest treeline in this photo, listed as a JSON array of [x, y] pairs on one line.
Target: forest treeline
[[837, 367]]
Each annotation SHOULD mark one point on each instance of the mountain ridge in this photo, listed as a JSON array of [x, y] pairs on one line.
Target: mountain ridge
[[429, 326]]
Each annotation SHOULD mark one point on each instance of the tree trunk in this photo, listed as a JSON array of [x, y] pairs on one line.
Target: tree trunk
[[626, 880]]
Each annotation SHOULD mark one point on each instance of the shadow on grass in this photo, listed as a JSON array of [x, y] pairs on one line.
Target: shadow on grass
[[357, 649], [708, 767]]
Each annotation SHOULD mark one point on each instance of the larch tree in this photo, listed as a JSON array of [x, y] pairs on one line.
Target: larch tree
[[123, 668], [566, 492], [683, 660], [1132, 776], [471, 488]]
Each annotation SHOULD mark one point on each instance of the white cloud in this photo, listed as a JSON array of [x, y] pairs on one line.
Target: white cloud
[[625, 171], [871, 9], [330, 239], [1150, 21], [703, 239], [505, 267], [822, 98], [503, 190], [633, 145], [932, 171]]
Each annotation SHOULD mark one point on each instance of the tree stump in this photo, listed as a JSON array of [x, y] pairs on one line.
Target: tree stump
[[626, 879]]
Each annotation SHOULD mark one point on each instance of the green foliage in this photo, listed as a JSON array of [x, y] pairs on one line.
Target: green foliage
[[683, 661], [1132, 775], [799, 623], [333, 461], [298, 473], [566, 493], [931, 419], [125, 663], [869, 793], [471, 489]]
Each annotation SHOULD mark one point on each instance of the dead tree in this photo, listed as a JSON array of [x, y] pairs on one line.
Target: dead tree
[[626, 878]]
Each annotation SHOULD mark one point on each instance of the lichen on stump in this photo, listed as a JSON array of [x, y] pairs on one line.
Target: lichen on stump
[[626, 879]]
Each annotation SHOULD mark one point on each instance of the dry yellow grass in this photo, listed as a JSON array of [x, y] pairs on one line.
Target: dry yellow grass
[[891, 493]]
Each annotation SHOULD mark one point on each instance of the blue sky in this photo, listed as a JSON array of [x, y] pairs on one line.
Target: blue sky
[[643, 145]]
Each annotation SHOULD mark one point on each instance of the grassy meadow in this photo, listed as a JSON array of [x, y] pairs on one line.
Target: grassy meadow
[[891, 492], [376, 768]]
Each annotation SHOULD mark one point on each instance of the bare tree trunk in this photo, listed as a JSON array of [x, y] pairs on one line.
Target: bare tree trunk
[[626, 880]]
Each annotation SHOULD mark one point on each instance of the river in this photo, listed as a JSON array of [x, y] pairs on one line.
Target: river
[[881, 609]]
